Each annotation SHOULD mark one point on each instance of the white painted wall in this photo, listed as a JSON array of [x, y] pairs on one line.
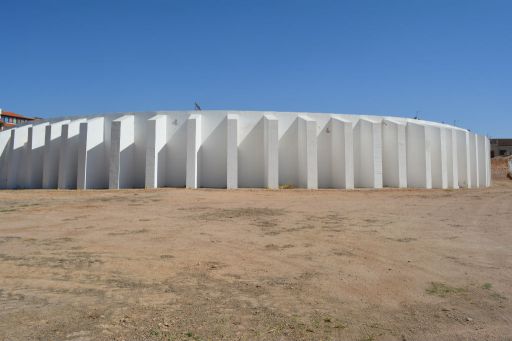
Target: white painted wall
[[17, 165], [213, 151], [68, 158], [232, 151], [5, 141], [307, 153], [451, 158], [368, 154], [176, 150], [36, 146], [394, 158], [53, 142], [236, 149], [463, 155], [193, 150], [271, 152], [94, 143], [288, 161], [336, 154], [473, 160], [156, 140], [438, 157], [122, 168], [419, 162]]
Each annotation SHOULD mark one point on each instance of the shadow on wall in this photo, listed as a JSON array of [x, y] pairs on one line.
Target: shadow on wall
[[251, 170], [212, 158], [324, 157], [127, 167], [288, 157], [97, 167]]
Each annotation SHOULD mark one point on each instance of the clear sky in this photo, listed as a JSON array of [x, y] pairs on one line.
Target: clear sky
[[443, 60]]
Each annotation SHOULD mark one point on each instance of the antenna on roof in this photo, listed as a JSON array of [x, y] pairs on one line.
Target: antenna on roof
[[196, 106]]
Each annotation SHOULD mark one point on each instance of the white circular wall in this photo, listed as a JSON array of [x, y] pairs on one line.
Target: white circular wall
[[235, 149]]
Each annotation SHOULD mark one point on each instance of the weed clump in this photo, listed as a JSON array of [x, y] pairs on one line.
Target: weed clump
[[442, 289]]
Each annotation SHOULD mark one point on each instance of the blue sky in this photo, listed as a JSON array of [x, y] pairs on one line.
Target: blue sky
[[446, 60]]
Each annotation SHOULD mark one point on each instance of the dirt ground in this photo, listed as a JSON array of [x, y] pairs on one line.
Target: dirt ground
[[177, 264]]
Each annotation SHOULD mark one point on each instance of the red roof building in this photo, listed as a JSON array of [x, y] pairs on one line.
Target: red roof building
[[9, 119]]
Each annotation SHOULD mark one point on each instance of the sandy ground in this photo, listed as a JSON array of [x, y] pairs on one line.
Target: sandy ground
[[176, 264]]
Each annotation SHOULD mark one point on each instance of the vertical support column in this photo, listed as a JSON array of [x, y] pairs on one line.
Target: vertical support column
[[81, 172], [473, 158], [122, 152], [64, 162], [16, 174], [24, 165], [444, 158], [307, 158], [68, 158], [52, 146], [5, 145], [368, 154], [176, 151], [463, 156], [91, 171], [36, 148], [402, 156], [455, 159], [419, 165], [438, 157], [232, 151], [428, 156], [193, 145], [342, 153], [156, 139], [271, 151], [377, 154], [10, 180], [394, 162], [25, 174], [451, 157]]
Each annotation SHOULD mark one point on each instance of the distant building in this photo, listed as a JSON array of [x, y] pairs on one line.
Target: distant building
[[9, 119], [501, 147]]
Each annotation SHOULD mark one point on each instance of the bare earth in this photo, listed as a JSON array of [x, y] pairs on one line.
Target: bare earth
[[176, 264]]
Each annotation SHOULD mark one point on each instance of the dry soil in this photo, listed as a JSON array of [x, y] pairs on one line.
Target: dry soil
[[177, 264]]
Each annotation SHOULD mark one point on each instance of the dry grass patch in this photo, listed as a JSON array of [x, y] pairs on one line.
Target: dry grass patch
[[443, 290]]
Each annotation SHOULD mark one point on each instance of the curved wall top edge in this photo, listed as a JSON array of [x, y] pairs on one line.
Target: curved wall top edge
[[352, 117]]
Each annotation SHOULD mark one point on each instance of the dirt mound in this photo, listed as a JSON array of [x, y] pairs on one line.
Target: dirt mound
[[499, 167]]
